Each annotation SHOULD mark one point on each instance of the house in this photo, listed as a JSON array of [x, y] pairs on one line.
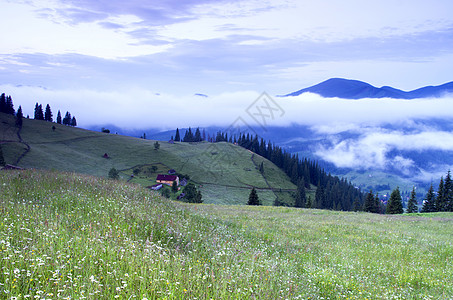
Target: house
[[167, 179], [183, 182], [156, 187], [172, 172], [106, 155]]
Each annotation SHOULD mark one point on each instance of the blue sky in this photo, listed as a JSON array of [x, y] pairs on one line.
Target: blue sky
[[148, 52]]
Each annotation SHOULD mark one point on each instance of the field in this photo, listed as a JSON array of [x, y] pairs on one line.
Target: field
[[68, 236], [226, 172]]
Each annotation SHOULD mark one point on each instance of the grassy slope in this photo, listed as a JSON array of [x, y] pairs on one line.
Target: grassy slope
[[66, 235], [226, 172]]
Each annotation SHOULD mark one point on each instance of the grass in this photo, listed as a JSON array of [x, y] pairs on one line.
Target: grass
[[215, 166], [68, 236]]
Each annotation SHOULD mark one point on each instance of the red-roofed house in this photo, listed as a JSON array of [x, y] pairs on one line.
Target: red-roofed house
[[167, 179]]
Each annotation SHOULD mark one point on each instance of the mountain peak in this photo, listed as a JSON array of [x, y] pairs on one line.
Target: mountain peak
[[355, 89]]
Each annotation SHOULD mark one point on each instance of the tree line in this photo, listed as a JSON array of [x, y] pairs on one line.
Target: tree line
[[7, 106]]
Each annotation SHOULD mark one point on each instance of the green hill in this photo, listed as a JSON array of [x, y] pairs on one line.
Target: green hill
[[225, 173], [71, 236]]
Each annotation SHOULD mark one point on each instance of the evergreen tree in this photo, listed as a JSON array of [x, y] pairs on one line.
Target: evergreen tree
[[320, 197], [9, 109], [308, 203], [395, 204], [39, 115], [174, 187], [48, 114], [114, 174], [192, 195], [67, 119], [59, 117], [448, 194], [429, 205], [3, 103], [2, 159], [440, 199], [177, 136], [253, 198], [19, 117], [300, 194], [188, 136], [412, 204], [370, 203], [377, 205], [156, 145], [197, 137], [73, 122]]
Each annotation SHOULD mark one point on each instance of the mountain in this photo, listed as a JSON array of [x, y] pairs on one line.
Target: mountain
[[355, 89]]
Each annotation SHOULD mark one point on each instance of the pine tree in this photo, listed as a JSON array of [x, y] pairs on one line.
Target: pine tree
[[156, 145], [39, 115], [300, 194], [429, 205], [197, 137], [448, 194], [19, 117], [395, 204], [73, 122], [174, 187], [192, 195], [369, 204], [3, 103], [48, 114], [59, 117], [308, 203], [377, 204], [261, 168], [253, 198], [67, 118], [440, 196], [9, 109], [177, 136], [412, 204]]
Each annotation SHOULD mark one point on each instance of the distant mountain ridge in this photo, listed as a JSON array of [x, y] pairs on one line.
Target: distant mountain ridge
[[355, 89]]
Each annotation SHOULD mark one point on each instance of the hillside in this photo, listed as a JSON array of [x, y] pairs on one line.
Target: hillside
[[355, 89], [64, 235], [224, 172]]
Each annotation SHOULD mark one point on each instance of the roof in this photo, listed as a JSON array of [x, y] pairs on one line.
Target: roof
[[165, 177]]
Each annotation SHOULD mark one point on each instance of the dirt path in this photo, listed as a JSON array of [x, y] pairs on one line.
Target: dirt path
[[26, 145]]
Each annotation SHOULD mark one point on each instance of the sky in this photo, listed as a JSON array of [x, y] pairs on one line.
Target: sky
[[143, 64]]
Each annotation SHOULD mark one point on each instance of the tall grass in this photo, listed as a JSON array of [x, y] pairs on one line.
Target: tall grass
[[68, 236]]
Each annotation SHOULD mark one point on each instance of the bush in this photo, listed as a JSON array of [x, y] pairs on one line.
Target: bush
[[114, 174]]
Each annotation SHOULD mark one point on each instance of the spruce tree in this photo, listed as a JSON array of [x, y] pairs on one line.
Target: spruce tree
[[300, 194], [3, 103], [9, 106], [429, 205], [395, 204], [177, 136], [253, 198], [174, 187], [412, 204], [369, 204], [377, 204], [197, 137], [448, 193], [48, 116], [59, 117], [73, 122], [308, 203], [440, 196], [19, 117]]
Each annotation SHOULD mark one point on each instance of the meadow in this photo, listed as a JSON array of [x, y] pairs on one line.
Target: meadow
[[70, 236], [216, 166]]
